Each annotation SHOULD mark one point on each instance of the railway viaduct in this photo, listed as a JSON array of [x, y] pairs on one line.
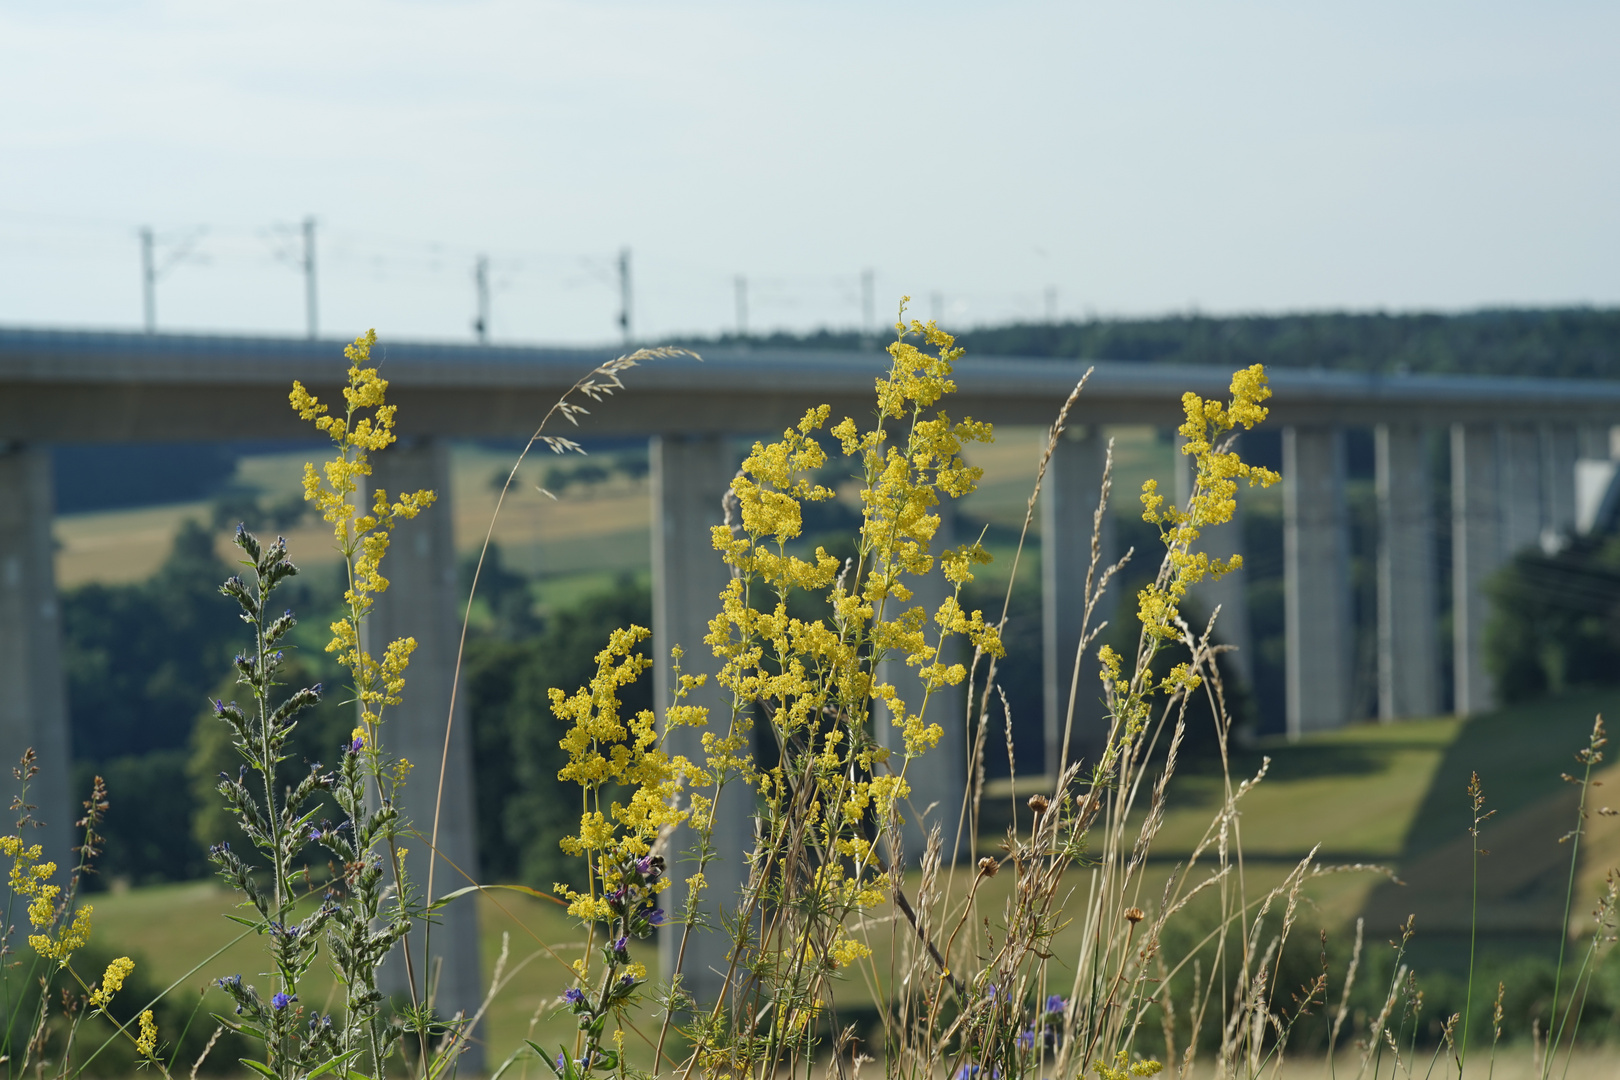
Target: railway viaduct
[[1517, 447]]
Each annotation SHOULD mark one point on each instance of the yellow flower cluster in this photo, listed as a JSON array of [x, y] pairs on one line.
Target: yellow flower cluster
[[146, 1042], [361, 538], [1124, 1068], [805, 666], [847, 950], [31, 878], [112, 980], [1206, 433], [815, 678], [1217, 471], [604, 749]]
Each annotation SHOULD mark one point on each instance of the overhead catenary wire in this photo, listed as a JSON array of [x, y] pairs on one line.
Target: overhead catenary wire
[[795, 301]]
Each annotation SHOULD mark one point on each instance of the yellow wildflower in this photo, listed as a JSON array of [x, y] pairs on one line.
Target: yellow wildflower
[[847, 951], [69, 938], [112, 980], [1124, 1068], [361, 538], [146, 1043]]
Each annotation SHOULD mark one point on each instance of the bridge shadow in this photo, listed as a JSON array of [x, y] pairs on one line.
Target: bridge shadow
[[1519, 753]]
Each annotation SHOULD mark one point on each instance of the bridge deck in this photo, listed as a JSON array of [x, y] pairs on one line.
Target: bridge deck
[[83, 386]]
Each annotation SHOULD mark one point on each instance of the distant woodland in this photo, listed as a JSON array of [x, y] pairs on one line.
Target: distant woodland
[[1577, 342]]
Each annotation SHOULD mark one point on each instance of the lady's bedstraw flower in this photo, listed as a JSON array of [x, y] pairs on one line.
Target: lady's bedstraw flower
[[366, 426], [146, 1042], [112, 981], [1124, 1068], [812, 679], [1217, 471], [607, 751], [30, 877]]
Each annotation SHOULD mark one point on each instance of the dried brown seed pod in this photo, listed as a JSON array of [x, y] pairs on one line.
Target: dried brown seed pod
[[1134, 915], [1038, 803], [988, 866]]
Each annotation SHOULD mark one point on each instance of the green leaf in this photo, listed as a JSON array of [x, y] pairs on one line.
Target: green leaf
[[298, 826], [334, 1063], [567, 1070], [255, 924], [259, 1067], [232, 1024]]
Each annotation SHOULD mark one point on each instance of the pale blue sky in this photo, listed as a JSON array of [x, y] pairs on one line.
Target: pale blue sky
[[1136, 158]]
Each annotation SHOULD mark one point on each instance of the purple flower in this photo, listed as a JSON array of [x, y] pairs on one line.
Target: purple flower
[[562, 1063], [574, 996], [967, 1072], [655, 916], [281, 1001], [1026, 1039], [1054, 1004], [358, 745]]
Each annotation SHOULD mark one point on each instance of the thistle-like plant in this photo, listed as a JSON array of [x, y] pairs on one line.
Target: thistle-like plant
[[276, 823]]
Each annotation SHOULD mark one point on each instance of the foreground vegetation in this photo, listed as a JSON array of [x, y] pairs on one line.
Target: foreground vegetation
[[1403, 781]]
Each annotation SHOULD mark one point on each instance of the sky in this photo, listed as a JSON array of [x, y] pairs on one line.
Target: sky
[[994, 161]]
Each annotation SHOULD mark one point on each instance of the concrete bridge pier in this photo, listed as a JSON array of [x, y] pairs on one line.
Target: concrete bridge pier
[[422, 602], [33, 694], [1477, 549], [1520, 474], [1316, 571], [1408, 601], [1230, 592], [938, 779], [1558, 455], [690, 475], [1068, 503], [1512, 488]]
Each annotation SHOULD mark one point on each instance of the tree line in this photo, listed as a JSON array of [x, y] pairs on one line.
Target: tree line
[[1572, 342]]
